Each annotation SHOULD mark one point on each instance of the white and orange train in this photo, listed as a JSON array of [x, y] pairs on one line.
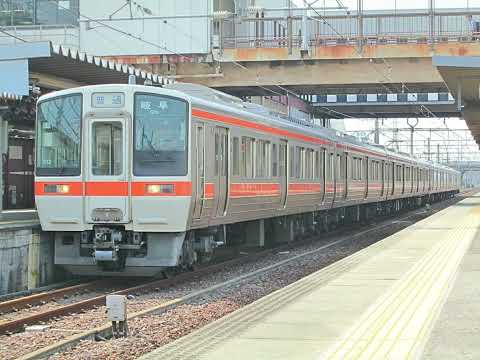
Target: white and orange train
[[133, 179]]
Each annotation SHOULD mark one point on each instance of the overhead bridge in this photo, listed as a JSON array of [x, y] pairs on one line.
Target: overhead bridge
[[370, 52]]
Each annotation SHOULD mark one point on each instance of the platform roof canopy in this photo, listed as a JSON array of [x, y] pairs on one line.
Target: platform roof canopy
[[57, 68], [462, 76]]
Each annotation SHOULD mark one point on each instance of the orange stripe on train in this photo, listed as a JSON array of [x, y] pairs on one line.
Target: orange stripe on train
[[106, 188], [254, 189]]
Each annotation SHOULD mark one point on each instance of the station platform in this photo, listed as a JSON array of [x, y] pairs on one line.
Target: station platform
[[14, 219], [412, 295]]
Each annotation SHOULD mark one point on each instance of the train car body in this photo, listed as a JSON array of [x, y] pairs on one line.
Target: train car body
[[134, 179]]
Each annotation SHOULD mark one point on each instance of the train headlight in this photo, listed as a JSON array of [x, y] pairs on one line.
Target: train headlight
[[63, 189], [57, 189], [159, 188]]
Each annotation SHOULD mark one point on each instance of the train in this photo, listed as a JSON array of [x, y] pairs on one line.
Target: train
[[132, 180]]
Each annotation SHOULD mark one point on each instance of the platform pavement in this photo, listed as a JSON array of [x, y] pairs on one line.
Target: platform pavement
[[380, 303], [456, 334], [15, 219]]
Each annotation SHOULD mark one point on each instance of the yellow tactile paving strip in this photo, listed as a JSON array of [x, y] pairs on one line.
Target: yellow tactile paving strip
[[380, 303], [395, 327]]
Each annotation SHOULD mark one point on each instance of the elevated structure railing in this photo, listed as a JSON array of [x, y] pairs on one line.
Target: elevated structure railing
[[270, 30], [64, 35]]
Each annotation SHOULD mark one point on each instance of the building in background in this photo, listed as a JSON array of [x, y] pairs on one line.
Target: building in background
[[38, 12]]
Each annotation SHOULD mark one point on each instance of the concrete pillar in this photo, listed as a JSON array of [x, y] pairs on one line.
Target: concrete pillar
[[255, 233], [33, 278], [3, 150]]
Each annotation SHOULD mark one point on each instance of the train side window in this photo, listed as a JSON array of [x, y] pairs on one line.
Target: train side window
[[235, 157], [248, 160], [323, 159], [309, 158], [398, 173], [217, 149], [364, 168], [329, 167], [342, 166], [274, 160], [318, 164], [292, 161], [281, 162], [262, 159], [298, 162]]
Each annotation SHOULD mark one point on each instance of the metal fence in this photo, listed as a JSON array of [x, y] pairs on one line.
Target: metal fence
[[65, 35], [308, 31]]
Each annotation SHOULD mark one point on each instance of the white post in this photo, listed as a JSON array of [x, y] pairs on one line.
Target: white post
[[3, 150]]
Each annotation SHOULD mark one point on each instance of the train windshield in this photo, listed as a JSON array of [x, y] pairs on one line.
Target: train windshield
[[160, 136], [58, 136]]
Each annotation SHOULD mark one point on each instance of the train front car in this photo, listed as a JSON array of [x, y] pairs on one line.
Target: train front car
[[112, 179]]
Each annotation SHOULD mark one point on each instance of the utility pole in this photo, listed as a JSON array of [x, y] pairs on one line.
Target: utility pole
[[377, 133], [438, 153], [412, 126], [431, 14], [360, 25], [289, 29], [428, 147]]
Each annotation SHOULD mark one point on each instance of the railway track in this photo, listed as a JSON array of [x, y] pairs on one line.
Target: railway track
[[104, 331], [40, 298], [19, 324]]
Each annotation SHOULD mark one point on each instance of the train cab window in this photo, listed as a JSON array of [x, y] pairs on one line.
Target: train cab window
[[107, 148], [160, 135], [274, 160], [58, 136], [248, 160], [235, 157]]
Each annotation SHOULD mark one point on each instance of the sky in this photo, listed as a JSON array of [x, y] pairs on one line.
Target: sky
[[390, 4]]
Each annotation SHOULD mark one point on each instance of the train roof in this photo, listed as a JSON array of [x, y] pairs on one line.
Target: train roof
[[222, 99], [207, 97]]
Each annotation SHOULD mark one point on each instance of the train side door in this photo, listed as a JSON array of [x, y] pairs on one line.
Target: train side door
[[283, 172], [203, 192], [221, 171]]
